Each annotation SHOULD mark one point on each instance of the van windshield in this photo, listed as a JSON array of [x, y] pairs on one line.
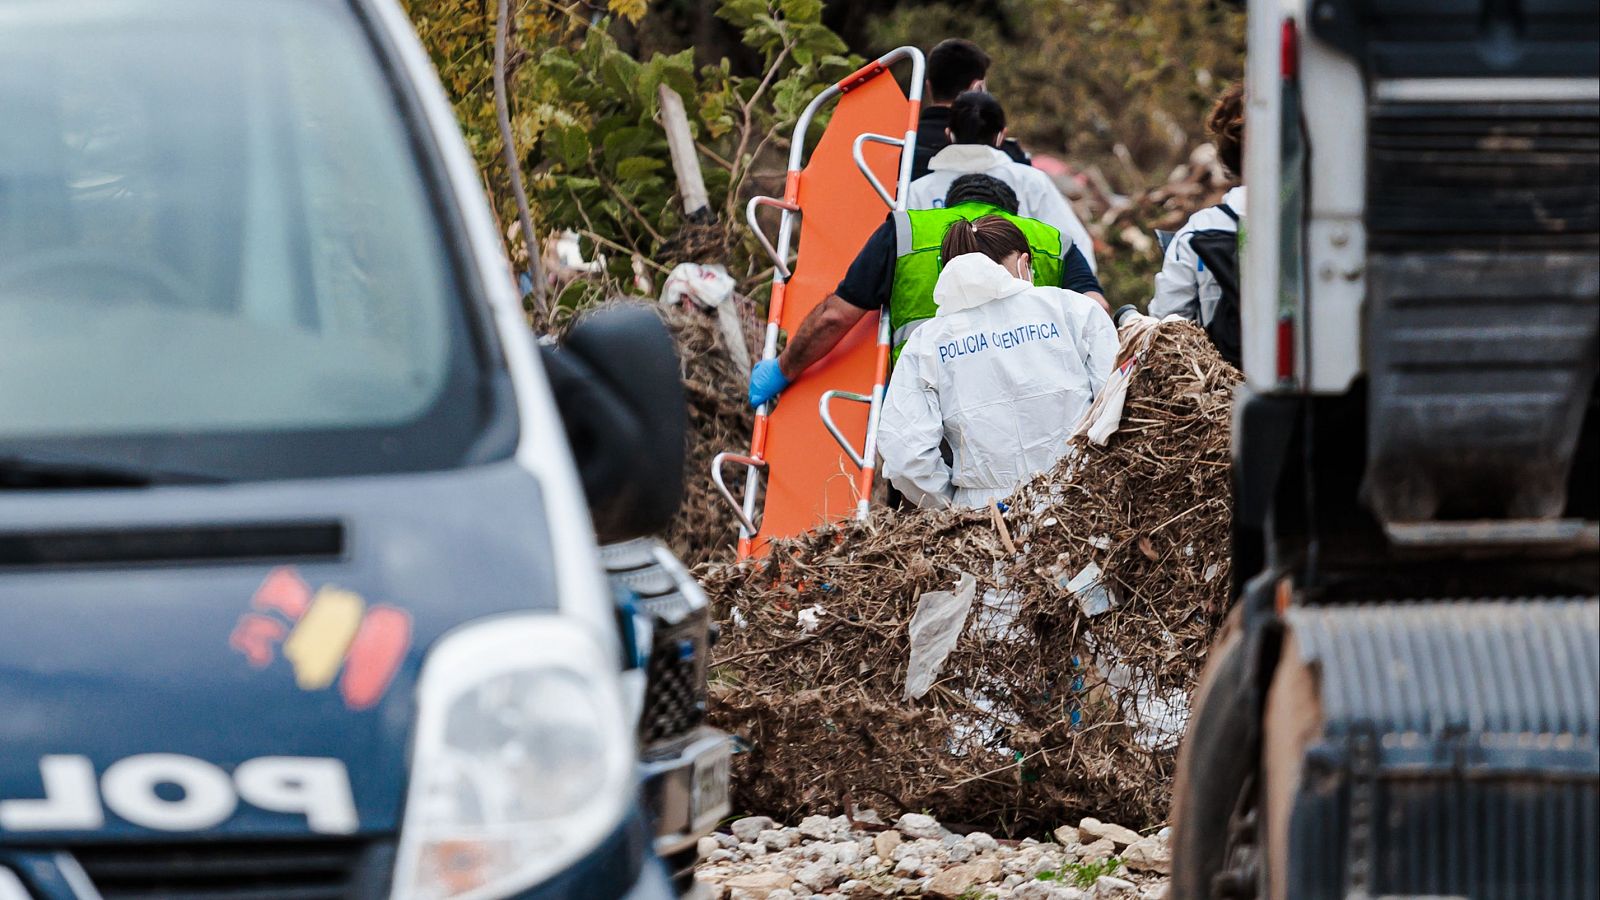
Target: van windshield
[[218, 251]]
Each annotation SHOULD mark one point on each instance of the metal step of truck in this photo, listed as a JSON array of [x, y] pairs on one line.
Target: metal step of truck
[[1436, 749], [1551, 535]]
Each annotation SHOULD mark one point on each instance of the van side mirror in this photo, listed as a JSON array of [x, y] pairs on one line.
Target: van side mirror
[[618, 387]]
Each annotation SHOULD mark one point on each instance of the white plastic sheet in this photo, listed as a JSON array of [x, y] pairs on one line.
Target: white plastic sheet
[[935, 628], [1093, 594], [1104, 415], [1157, 717]]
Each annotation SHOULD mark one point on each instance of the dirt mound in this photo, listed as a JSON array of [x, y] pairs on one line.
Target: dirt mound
[[1065, 690]]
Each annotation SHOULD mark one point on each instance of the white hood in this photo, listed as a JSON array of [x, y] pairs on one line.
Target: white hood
[[971, 280], [968, 158], [1001, 383]]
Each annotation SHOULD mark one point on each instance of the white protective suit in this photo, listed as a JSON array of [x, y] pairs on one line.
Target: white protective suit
[[1002, 372], [1037, 196], [1184, 286]]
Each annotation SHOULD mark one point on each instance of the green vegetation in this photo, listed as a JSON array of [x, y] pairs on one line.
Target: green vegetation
[[1082, 874], [1080, 80], [584, 110], [1116, 88]]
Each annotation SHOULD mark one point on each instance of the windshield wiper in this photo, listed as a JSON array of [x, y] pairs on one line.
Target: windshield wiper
[[34, 472]]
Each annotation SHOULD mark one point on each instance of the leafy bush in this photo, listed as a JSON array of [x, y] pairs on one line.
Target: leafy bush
[[584, 116]]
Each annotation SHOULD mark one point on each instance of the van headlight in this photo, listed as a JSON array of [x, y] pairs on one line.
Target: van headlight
[[522, 761]]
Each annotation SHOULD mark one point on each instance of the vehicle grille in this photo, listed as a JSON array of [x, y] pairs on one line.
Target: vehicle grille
[[1457, 755], [333, 869], [1483, 176], [675, 681], [675, 677]]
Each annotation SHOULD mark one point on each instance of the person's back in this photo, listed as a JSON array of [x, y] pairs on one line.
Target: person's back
[[1002, 374], [977, 124], [919, 236], [955, 66], [1199, 277]]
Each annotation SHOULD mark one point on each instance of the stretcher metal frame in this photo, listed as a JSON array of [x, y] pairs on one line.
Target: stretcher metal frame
[[864, 459]]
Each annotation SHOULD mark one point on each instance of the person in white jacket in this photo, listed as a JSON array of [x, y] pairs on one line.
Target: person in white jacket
[[1002, 373], [1208, 294], [977, 127]]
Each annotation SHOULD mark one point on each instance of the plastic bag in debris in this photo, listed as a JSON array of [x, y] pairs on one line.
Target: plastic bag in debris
[[986, 725], [1104, 415], [1157, 717], [809, 619], [1089, 587], [565, 255], [710, 287], [935, 628]]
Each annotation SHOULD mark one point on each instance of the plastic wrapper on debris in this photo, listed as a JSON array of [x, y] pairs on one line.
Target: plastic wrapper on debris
[[1056, 700], [710, 287], [1105, 413], [935, 627]]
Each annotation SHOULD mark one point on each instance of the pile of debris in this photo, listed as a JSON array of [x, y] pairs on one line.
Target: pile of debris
[[1009, 668], [720, 419]]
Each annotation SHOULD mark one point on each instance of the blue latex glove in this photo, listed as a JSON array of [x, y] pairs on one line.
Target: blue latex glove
[[766, 382]]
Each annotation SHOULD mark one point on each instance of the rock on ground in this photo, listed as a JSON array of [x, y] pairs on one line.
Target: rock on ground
[[1094, 829], [919, 857], [1149, 854]]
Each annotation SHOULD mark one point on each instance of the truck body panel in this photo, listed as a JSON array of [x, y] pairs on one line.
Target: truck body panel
[[1421, 332]]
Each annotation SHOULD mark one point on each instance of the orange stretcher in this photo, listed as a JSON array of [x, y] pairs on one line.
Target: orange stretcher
[[813, 473]]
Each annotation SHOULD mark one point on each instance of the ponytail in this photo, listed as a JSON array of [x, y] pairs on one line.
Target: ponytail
[[994, 236], [961, 239]]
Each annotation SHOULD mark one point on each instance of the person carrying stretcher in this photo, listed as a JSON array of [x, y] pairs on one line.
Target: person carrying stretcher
[[977, 128], [896, 271]]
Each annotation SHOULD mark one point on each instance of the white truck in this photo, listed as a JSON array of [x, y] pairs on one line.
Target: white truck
[[1407, 700]]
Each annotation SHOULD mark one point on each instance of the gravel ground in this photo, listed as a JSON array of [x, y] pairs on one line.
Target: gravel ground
[[758, 859]]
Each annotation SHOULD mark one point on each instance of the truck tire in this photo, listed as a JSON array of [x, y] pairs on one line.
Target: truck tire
[[1216, 768]]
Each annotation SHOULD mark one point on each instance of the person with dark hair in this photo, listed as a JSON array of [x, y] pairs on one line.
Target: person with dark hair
[[955, 66], [977, 126], [985, 189], [896, 270], [1001, 374], [1199, 277]]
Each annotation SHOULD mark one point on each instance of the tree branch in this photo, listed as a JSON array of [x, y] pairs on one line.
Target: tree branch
[[513, 163], [741, 166], [634, 210]]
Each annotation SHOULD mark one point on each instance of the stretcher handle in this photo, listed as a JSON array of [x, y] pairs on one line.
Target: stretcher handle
[[778, 263], [861, 162], [717, 462], [833, 429]]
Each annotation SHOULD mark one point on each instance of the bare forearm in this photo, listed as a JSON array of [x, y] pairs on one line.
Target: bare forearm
[[819, 332], [1099, 298]]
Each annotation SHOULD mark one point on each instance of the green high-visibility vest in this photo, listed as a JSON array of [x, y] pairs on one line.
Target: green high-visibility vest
[[917, 236]]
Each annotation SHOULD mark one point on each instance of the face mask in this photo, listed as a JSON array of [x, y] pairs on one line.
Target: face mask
[[1022, 269]]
